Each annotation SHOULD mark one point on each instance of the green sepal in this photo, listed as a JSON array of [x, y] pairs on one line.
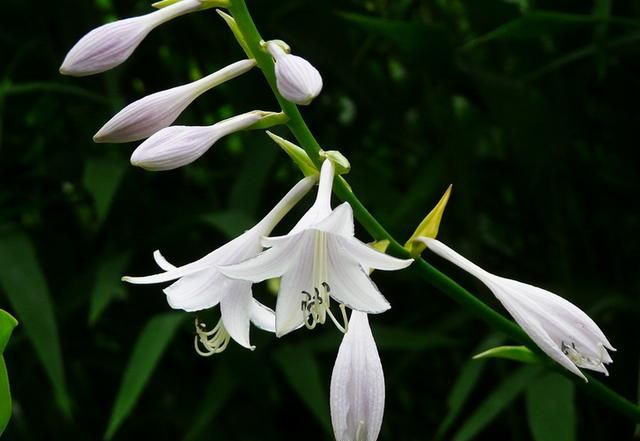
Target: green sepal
[[297, 155], [517, 353], [340, 162], [429, 226], [231, 22], [268, 120]]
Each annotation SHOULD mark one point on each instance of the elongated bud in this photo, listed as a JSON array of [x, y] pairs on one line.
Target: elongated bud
[[154, 112], [429, 226], [297, 80], [111, 44], [176, 146], [357, 384]]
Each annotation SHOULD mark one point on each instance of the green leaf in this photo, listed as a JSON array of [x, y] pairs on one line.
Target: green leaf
[[463, 387], [551, 408], [23, 282], [517, 353], [102, 176], [539, 23], [108, 285], [496, 402], [412, 37], [301, 370], [147, 351], [251, 178], [7, 323]]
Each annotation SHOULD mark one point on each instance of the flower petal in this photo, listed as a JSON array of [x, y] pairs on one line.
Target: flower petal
[[357, 384], [339, 222], [234, 308], [262, 316], [271, 263], [350, 284], [369, 257], [202, 290]]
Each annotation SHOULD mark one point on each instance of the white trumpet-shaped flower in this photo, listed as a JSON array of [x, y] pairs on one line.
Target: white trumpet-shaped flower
[[111, 44], [200, 285], [176, 146], [319, 258], [357, 384], [154, 112], [561, 329], [297, 80]]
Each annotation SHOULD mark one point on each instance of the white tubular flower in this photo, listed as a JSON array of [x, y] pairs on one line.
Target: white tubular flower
[[319, 258], [111, 44], [357, 384], [297, 80], [201, 286], [176, 146], [561, 329], [154, 112]]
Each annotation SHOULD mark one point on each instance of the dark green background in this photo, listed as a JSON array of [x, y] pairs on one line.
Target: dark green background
[[530, 110]]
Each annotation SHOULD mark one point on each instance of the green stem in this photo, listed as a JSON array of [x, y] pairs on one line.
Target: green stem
[[430, 274]]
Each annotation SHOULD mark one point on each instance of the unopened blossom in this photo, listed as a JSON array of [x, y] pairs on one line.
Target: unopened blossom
[[357, 384], [111, 44], [176, 146], [200, 285], [319, 258], [297, 80], [154, 112], [561, 329]]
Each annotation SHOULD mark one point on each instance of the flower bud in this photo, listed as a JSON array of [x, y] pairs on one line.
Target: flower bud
[[176, 146], [297, 80], [154, 112], [111, 44], [357, 384]]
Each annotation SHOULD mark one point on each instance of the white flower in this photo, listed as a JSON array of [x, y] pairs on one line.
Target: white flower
[[201, 286], [154, 112], [297, 80], [111, 44], [319, 258], [562, 330], [176, 146], [357, 384]]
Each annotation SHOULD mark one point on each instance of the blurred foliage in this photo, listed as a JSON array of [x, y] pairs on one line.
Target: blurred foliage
[[530, 110]]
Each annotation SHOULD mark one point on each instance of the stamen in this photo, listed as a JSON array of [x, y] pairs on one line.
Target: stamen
[[315, 308], [213, 342], [580, 359]]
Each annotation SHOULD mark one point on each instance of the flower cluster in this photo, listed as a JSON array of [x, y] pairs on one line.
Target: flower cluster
[[319, 260]]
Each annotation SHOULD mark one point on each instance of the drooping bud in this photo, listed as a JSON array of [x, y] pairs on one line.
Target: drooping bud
[[176, 146], [154, 112], [297, 80], [429, 226], [357, 384], [111, 44]]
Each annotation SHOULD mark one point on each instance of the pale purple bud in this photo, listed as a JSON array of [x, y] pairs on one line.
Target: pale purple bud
[[154, 112], [297, 80], [111, 44], [176, 146], [357, 384]]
